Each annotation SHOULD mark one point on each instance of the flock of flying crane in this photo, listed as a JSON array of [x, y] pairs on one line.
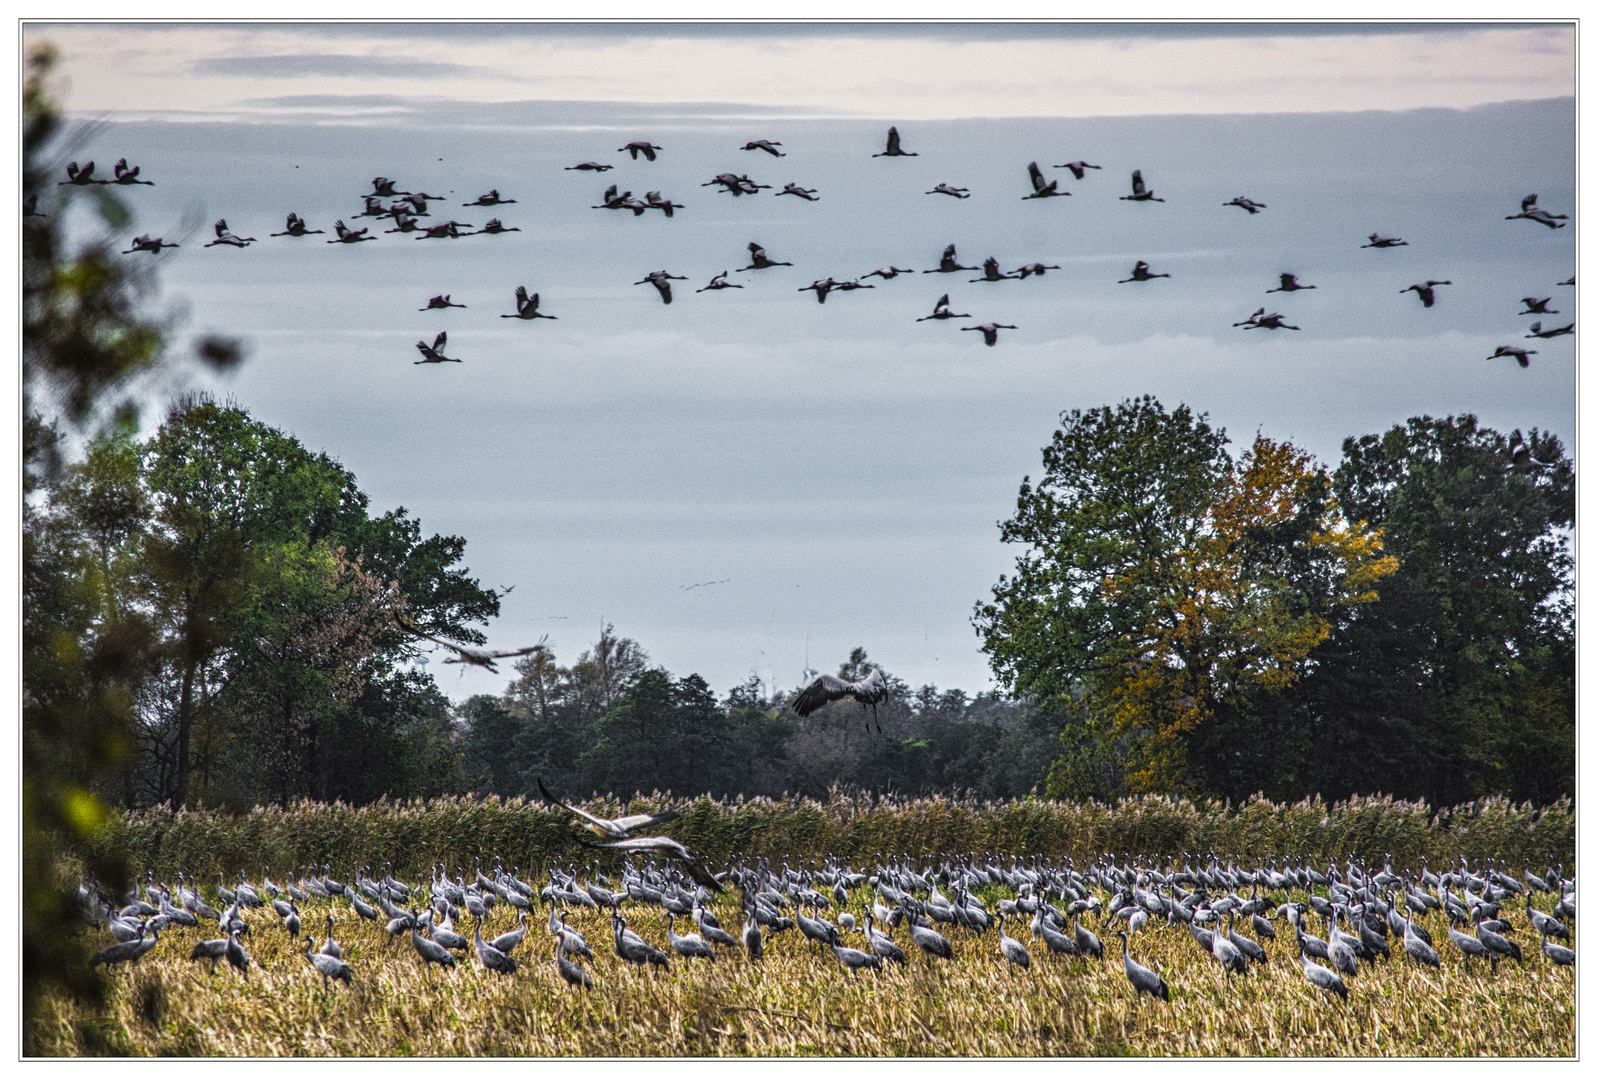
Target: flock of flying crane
[[1366, 916], [406, 208]]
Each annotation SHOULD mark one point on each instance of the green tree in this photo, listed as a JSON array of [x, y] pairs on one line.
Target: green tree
[[1164, 585], [1460, 681]]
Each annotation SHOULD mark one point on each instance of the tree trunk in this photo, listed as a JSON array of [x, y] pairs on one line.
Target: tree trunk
[[185, 722]]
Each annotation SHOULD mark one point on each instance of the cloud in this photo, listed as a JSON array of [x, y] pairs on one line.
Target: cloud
[[339, 65]]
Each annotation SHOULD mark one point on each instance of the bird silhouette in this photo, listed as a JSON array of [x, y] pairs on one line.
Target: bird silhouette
[[947, 189], [828, 688], [1535, 306], [434, 354], [894, 149], [403, 223], [653, 201], [1528, 210], [527, 308], [1537, 330], [1041, 190], [807, 194], [1246, 203], [719, 282], [1290, 284], [1033, 268], [609, 828], [1519, 354], [948, 263], [445, 230], [1139, 192], [375, 208], [759, 261], [1260, 321], [80, 177], [491, 199], [1425, 291], [472, 654], [940, 310], [635, 148], [766, 145], [347, 235], [125, 175], [295, 226], [384, 187], [1140, 272], [144, 243], [495, 227], [589, 166], [990, 331], [1078, 168], [662, 283], [822, 287], [991, 272], [223, 236], [887, 273], [1378, 241]]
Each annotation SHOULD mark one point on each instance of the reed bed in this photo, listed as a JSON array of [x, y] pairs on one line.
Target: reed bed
[[799, 1001], [455, 831]]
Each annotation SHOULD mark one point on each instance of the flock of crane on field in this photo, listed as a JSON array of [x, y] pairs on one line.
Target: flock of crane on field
[[406, 208], [1366, 917]]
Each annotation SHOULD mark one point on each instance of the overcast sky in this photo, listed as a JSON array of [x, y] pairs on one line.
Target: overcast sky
[[745, 475]]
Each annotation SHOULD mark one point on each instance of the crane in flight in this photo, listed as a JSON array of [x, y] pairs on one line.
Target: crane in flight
[[434, 354], [472, 654], [829, 688], [893, 150]]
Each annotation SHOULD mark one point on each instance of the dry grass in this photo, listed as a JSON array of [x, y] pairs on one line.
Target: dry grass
[[799, 1001]]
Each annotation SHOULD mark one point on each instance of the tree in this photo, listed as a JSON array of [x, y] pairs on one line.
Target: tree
[[1460, 681], [1165, 584]]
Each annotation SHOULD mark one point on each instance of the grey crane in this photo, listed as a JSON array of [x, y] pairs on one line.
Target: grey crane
[[1521, 355], [950, 189], [329, 967], [509, 940], [1467, 945], [1140, 192], [1040, 189], [1141, 272], [444, 933], [719, 282], [213, 951], [1546, 925], [930, 941], [122, 951], [431, 952], [1340, 949], [1496, 944], [1086, 942], [438, 302], [1558, 953], [634, 949], [237, 958], [821, 287], [526, 306], [640, 147], [491, 199], [589, 166], [1249, 948], [1142, 979], [990, 331], [347, 235], [754, 943], [472, 654], [1078, 168], [1535, 306], [490, 957], [1378, 241], [1322, 977], [610, 828], [123, 174], [882, 944], [1416, 949], [1036, 268], [688, 946], [767, 145], [1537, 330], [940, 310], [403, 223], [653, 201], [495, 227], [1229, 956], [613, 199], [80, 177], [570, 970], [887, 273], [331, 947], [710, 931], [1246, 203], [893, 150], [665, 845], [444, 230], [434, 354], [575, 942], [807, 194], [758, 259], [375, 208], [828, 688], [1528, 210], [817, 929], [1425, 290], [991, 272], [662, 283], [1290, 283], [855, 959], [1013, 950], [144, 243], [226, 238], [948, 263]]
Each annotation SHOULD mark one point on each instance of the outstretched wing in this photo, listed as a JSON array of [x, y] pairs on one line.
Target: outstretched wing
[[1137, 182], [602, 826], [438, 342], [501, 654], [893, 140], [1037, 176], [825, 689], [665, 845]]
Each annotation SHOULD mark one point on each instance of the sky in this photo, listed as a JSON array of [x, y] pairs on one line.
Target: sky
[[746, 481]]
